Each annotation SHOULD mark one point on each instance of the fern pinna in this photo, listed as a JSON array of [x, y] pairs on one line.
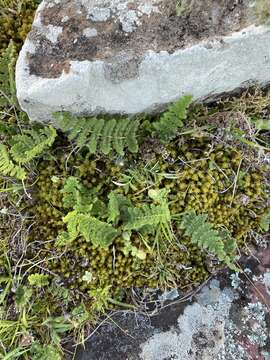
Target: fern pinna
[[203, 234], [100, 135], [169, 123]]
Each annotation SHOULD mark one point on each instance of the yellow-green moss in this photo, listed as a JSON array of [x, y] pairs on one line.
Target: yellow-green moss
[[213, 181], [16, 19]]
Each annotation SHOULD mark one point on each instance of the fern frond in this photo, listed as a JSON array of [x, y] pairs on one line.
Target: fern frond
[[32, 143], [93, 230], [99, 233], [147, 215], [117, 204], [167, 126], [7, 76], [7, 166], [100, 135], [77, 196], [202, 233], [39, 280]]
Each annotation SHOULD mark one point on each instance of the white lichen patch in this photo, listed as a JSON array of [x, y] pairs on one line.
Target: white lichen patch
[[128, 13], [200, 329], [90, 32], [50, 32]]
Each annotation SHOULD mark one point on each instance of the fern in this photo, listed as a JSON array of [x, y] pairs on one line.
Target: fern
[[39, 280], [7, 76], [118, 203], [97, 232], [32, 143], [147, 215], [166, 127], [100, 135], [203, 234], [7, 166]]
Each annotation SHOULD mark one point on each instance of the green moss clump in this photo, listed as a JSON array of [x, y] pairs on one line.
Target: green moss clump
[[16, 19], [213, 181]]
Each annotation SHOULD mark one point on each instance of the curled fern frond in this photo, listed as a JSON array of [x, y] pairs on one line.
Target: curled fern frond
[[100, 135], [32, 143], [7, 166], [167, 126], [202, 233]]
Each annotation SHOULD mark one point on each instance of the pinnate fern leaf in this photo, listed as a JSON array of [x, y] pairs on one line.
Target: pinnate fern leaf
[[167, 126], [32, 143], [91, 229], [202, 233], [100, 135], [7, 166], [98, 232], [147, 215], [118, 203]]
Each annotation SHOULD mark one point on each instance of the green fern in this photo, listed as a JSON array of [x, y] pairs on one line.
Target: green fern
[[39, 280], [118, 203], [203, 234], [167, 126], [7, 76], [97, 232], [147, 215], [100, 135], [7, 166], [32, 143]]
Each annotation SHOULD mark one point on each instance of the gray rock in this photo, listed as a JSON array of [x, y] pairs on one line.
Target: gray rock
[[225, 320], [119, 56]]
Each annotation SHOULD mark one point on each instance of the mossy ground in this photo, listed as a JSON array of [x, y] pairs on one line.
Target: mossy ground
[[218, 165]]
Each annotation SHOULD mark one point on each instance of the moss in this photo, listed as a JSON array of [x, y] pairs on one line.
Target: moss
[[16, 21], [205, 180]]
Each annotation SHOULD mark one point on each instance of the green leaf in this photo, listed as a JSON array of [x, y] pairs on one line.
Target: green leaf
[[100, 135], [262, 124], [169, 123], [7, 166], [32, 143], [39, 280], [203, 234], [98, 232]]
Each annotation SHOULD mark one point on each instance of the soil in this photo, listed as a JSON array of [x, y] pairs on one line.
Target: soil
[[161, 31]]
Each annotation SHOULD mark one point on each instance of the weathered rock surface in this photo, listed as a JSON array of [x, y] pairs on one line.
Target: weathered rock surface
[[227, 320], [120, 56]]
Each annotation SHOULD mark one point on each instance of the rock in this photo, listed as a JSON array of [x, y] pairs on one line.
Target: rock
[[227, 320], [119, 56]]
